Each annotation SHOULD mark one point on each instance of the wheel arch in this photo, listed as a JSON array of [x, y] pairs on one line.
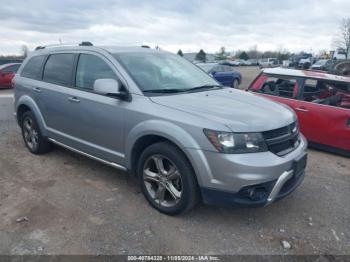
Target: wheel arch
[[26, 103], [151, 132]]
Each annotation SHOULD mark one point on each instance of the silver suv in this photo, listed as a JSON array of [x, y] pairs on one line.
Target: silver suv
[[164, 120]]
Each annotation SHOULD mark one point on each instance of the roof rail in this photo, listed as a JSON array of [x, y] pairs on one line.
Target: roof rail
[[84, 43]]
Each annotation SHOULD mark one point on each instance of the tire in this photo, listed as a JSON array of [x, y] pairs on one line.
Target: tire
[[235, 83], [33, 139], [180, 188]]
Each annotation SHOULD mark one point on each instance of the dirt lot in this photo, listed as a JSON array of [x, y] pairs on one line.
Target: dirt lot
[[63, 203]]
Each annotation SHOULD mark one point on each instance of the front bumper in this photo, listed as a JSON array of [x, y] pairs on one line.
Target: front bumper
[[255, 179]]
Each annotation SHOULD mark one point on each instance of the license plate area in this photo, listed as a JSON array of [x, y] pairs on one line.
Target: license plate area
[[299, 164]]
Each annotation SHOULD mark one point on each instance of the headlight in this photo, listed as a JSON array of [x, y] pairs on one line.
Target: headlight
[[236, 143]]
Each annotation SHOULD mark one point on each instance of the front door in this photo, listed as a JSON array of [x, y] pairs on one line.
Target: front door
[[96, 121]]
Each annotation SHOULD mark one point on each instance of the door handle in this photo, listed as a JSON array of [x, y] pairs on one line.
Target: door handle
[[301, 109], [73, 99], [37, 89]]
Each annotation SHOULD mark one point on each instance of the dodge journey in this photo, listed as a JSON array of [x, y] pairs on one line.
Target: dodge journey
[[161, 118]]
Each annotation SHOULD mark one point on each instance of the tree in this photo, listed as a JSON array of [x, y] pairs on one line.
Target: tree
[[180, 52], [221, 55], [25, 51], [253, 52], [201, 56], [243, 56], [343, 39]]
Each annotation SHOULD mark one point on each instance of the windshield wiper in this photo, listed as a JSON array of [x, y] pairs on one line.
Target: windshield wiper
[[203, 87], [165, 91]]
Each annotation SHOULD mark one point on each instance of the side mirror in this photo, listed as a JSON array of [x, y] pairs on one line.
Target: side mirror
[[213, 73], [110, 87]]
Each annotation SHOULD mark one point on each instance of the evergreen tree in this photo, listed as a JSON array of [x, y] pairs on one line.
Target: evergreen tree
[[201, 56], [243, 56]]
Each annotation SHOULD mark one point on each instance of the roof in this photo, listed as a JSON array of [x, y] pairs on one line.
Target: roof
[[9, 64], [110, 49], [306, 74]]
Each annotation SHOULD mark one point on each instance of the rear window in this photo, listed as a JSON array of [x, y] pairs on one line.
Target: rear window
[[11, 69], [32, 68], [59, 68]]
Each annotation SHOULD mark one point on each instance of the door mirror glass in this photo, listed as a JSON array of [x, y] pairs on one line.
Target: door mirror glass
[[107, 86]]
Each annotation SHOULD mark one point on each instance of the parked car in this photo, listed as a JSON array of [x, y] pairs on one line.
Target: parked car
[[268, 62], [305, 63], [7, 72], [162, 119], [230, 62], [252, 62], [321, 101], [321, 65], [223, 74]]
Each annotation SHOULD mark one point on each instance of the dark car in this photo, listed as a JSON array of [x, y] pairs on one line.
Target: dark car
[[321, 65], [7, 72], [223, 74]]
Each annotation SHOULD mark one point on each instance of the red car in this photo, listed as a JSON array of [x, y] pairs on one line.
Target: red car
[[7, 72], [321, 101]]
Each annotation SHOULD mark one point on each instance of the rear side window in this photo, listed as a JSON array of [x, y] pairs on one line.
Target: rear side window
[[58, 69], [90, 68], [32, 68]]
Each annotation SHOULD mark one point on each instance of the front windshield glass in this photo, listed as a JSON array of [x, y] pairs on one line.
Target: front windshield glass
[[163, 71], [321, 62]]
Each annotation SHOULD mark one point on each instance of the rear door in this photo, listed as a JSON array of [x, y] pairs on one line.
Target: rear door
[[51, 93], [322, 117]]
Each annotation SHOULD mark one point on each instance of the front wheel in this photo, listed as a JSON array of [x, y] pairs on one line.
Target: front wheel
[[167, 179]]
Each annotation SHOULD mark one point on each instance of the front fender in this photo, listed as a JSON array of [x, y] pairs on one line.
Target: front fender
[[165, 129], [30, 103]]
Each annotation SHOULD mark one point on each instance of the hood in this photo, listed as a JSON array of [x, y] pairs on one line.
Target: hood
[[241, 111]]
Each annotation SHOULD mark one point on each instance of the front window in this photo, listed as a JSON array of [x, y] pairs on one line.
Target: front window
[[90, 68], [160, 72], [277, 86]]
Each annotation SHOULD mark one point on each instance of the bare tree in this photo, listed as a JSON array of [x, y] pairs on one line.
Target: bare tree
[[343, 40], [25, 50]]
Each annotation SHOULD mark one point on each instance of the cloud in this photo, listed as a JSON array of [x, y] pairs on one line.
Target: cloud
[[190, 25]]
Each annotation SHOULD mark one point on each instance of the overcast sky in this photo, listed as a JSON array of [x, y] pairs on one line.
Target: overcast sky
[[189, 25]]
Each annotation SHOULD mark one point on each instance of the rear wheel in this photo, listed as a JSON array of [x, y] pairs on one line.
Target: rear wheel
[[33, 139], [235, 83], [167, 179]]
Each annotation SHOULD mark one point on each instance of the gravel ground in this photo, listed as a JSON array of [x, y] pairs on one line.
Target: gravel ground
[[63, 203]]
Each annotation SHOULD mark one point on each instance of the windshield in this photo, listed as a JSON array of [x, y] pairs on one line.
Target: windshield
[[321, 62], [163, 72]]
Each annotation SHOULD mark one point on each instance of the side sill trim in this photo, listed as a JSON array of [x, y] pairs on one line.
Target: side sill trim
[[115, 165]]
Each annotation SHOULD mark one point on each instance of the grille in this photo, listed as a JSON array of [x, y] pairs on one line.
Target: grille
[[282, 140]]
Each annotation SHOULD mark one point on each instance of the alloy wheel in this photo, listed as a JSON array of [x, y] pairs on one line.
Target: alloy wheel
[[162, 180], [31, 135]]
